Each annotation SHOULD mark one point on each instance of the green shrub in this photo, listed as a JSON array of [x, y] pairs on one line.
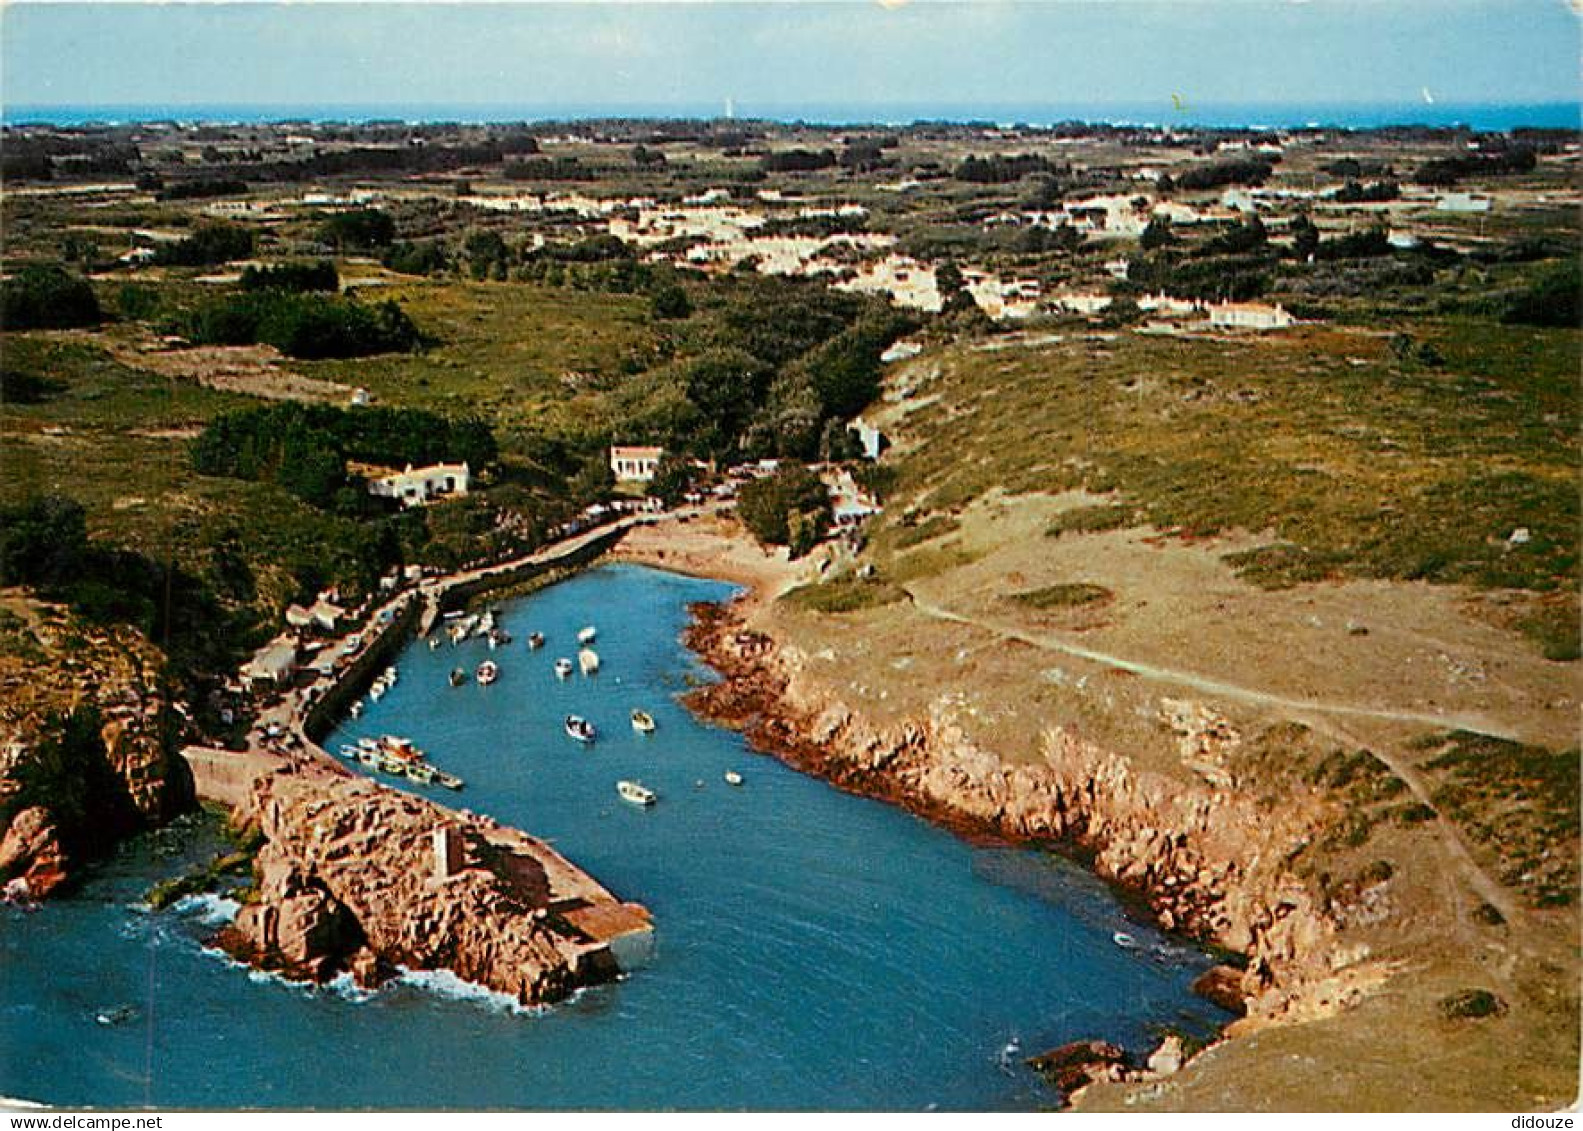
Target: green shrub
[[1471, 1003], [47, 298], [1071, 595]]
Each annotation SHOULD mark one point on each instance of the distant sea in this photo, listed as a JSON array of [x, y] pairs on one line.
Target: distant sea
[[1347, 115]]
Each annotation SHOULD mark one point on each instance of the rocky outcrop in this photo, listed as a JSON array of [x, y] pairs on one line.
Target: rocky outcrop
[[1209, 860], [85, 753], [357, 877], [1076, 1065]]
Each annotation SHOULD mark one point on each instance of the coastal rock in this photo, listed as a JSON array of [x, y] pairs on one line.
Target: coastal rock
[[31, 853], [1168, 1058], [1223, 986], [1080, 1063], [354, 876]]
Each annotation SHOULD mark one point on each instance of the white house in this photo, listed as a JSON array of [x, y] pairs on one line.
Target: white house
[[1249, 316], [416, 486], [635, 464], [273, 665], [1462, 202]]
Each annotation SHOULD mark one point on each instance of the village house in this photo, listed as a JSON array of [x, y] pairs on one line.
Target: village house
[[414, 487], [635, 464], [272, 666]]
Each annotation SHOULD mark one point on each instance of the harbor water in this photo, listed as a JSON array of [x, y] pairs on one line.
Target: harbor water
[[813, 950]]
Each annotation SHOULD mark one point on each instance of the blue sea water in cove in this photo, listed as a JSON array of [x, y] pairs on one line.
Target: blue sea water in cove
[[813, 950]]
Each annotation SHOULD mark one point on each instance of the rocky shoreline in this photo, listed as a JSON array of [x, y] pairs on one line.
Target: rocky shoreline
[[1206, 860]]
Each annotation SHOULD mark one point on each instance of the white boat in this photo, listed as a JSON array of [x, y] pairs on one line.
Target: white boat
[[588, 660], [733, 778], [636, 793], [487, 672], [356, 710], [377, 691], [587, 635], [642, 721], [535, 640], [1124, 940], [389, 675], [348, 751], [579, 728], [434, 642], [458, 676], [563, 667]]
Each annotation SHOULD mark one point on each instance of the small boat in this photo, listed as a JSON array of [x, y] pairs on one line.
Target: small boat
[[349, 751], [535, 640], [733, 778], [449, 781], [389, 675], [377, 691], [588, 660], [487, 672], [420, 772], [579, 728], [1124, 940], [356, 710], [636, 793], [587, 635], [563, 667], [434, 642], [458, 676], [119, 1015], [642, 721]]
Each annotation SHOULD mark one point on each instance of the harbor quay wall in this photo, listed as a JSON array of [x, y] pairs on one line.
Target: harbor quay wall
[[326, 708], [456, 595], [228, 776]]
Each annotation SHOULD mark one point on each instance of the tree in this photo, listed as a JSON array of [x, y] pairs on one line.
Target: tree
[[670, 301], [767, 505], [1157, 234], [1305, 237], [47, 298], [673, 478]]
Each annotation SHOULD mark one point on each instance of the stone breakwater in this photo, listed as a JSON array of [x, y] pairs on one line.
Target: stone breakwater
[[1207, 859], [357, 877]]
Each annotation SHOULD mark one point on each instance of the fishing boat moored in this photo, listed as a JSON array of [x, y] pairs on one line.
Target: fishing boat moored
[[587, 635], [588, 660], [579, 728], [563, 667], [636, 793], [642, 721], [487, 672], [733, 778], [535, 640], [458, 676]]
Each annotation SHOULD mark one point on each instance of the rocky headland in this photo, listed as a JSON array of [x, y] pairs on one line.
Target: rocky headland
[[85, 750], [355, 877]]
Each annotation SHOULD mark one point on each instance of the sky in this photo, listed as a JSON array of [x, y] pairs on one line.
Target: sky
[[790, 53]]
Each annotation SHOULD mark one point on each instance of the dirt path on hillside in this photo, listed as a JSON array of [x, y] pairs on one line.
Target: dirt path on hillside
[[1209, 684]]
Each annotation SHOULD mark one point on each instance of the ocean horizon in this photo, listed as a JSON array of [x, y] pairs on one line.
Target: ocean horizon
[[1157, 113]]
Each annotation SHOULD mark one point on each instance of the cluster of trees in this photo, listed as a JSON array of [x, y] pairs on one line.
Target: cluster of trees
[[196, 189], [358, 229], [790, 508], [1001, 169], [304, 448], [1443, 172], [1375, 192], [47, 298], [1230, 171], [779, 366], [417, 257], [304, 325], [549, 169], [300, 277], [797, 160], [207, 246], [44, 545]]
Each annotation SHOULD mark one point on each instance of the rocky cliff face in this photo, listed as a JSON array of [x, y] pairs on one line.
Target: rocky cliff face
[[84, 751], [1208, 859], [354, 876]]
